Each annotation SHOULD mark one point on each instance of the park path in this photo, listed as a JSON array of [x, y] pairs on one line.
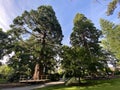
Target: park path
[[34, 86]]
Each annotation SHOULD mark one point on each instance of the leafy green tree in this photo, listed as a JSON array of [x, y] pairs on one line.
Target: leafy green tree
[[85, 35], [3, 43], [21, 60], [111, 33], [84, 56], [40, 33], [73, 61], [6, 71]]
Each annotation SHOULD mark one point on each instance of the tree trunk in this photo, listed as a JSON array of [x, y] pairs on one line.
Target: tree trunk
[[36, 72], [39, 69], [79, 80]]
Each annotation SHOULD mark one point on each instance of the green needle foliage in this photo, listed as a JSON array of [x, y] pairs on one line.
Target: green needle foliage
[[112, 6], [38, 38], [3, 40], [111, 40], [84, 57]]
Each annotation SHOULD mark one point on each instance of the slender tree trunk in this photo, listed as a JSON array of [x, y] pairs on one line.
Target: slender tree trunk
[[79, 80]]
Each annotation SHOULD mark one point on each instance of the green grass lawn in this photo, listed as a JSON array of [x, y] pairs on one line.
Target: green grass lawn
[[113, 84]]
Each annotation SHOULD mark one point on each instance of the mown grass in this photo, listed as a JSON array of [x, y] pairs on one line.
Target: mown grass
[[113, 84]]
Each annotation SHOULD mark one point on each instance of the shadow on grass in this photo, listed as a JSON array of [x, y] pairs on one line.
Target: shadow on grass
[[98, 83], [112, 84]]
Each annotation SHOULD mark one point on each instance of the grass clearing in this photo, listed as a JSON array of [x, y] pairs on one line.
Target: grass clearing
[[113, 84]]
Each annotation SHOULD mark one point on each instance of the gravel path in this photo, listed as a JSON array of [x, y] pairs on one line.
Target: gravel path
[[34, 86]]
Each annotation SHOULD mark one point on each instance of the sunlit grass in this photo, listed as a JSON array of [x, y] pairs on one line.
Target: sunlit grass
[[113, 84]]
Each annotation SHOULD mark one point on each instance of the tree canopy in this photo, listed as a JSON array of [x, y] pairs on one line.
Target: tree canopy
[[112, 6], [38, 37], [85, 34]]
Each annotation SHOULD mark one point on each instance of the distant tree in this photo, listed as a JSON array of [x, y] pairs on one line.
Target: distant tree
[[40, 34]]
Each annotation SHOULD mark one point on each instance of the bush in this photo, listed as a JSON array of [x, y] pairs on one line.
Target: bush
[[71, 81], [14, 77], [117, 72], [54, 77], [5, 71]]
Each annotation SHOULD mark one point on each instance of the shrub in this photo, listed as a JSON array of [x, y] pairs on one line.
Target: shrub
[[54, 77]]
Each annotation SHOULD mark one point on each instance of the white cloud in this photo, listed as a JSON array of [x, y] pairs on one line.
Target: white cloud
[[9, 9], [6, 13]]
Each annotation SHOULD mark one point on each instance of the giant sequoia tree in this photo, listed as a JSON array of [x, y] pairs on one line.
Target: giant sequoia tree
[[39, 32], [84, 57], [86, 36]]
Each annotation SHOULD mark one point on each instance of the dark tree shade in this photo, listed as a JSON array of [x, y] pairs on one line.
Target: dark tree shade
[[3, 43]]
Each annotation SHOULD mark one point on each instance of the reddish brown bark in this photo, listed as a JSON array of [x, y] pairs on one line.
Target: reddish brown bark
[[37, 72]]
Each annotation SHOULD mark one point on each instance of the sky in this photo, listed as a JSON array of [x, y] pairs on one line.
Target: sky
[[65, 12]]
